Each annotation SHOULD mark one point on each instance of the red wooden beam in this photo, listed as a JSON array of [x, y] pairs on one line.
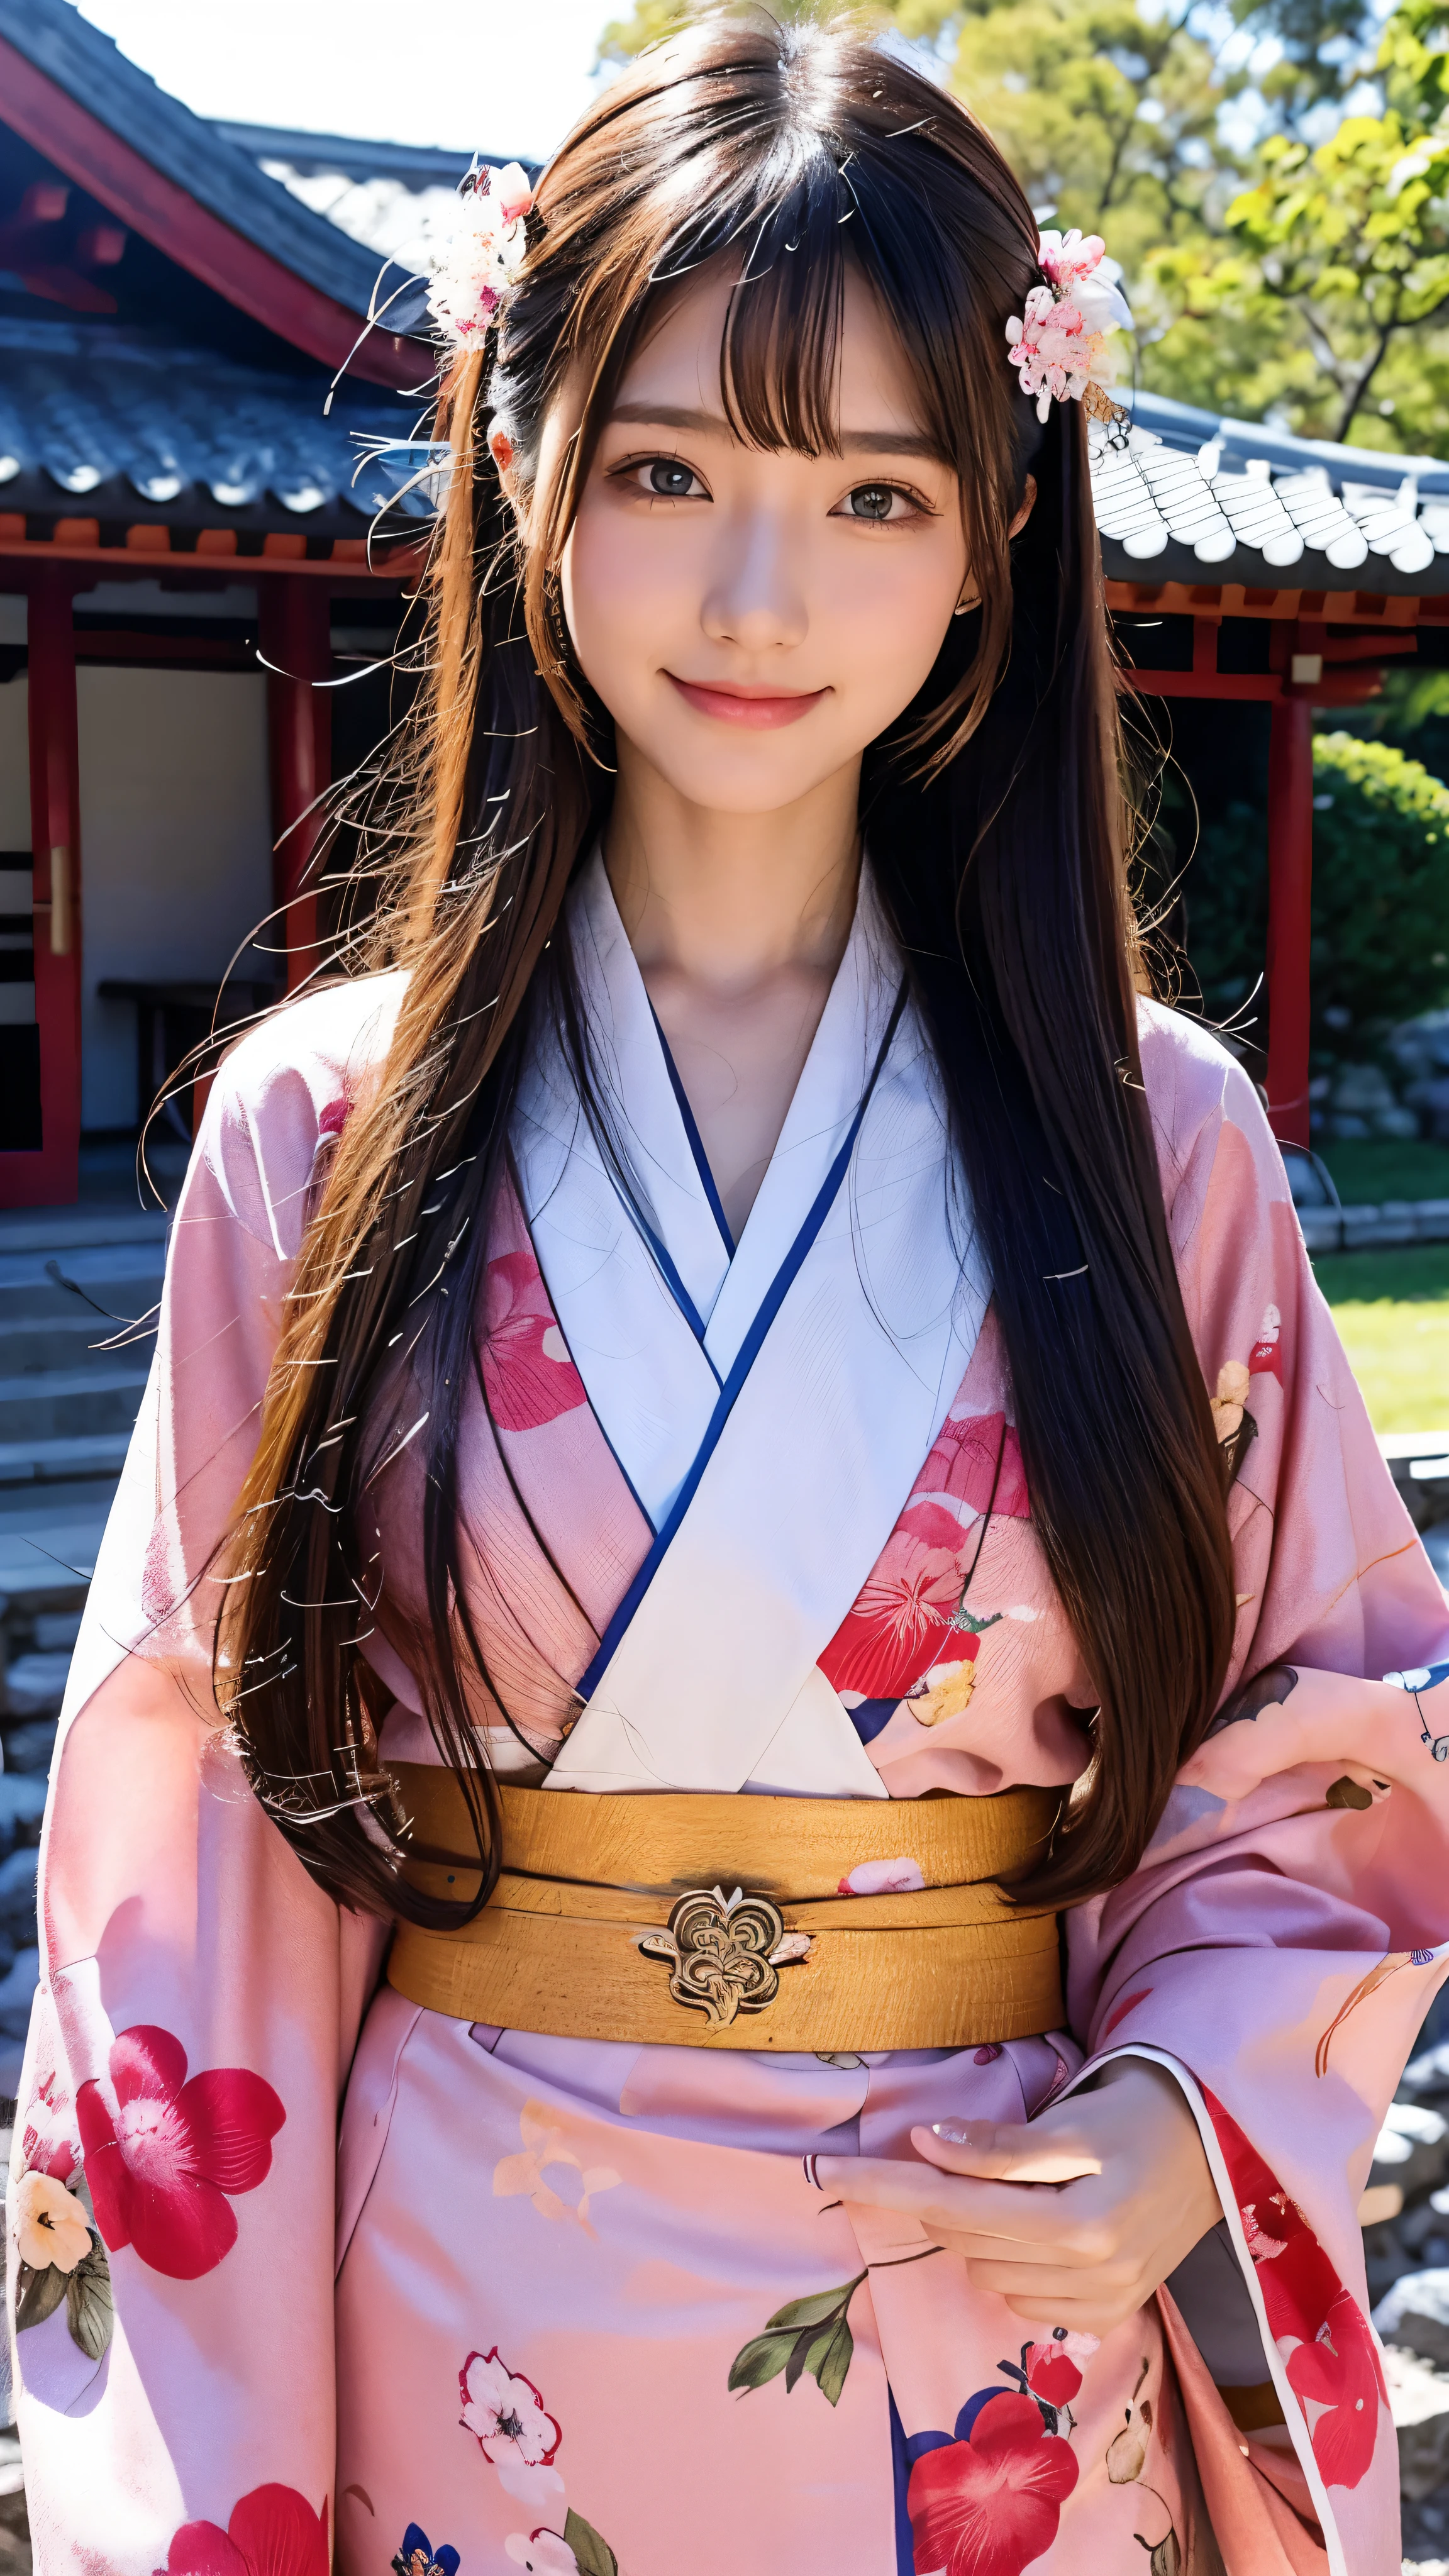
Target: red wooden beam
[[51, 1177], [1290, 914], [98, 161], [297, 644], [348, 557]]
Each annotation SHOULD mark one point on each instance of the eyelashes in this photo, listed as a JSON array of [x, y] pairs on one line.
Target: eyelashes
[[661, 477]]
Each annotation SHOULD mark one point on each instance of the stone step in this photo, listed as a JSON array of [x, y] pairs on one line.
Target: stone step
[[1355, 1229], [46, 1462], [72, 1403], [48, 1543], [69, 1228], [124, 1279], [30, 1344]]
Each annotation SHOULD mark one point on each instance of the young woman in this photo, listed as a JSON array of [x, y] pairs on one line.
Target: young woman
[[739, 1426]]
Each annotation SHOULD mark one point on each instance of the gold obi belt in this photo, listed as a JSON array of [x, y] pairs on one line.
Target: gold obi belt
[[718, 1922]]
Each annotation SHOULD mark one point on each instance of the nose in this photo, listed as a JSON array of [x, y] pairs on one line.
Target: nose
[[755, 597]]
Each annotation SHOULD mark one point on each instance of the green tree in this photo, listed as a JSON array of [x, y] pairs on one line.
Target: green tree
[[1380, 897], [1307, 279], [1337, 260]]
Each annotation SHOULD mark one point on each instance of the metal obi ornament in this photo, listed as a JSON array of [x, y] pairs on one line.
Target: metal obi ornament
[[724, 1952], [1059, 342], [485, 252]]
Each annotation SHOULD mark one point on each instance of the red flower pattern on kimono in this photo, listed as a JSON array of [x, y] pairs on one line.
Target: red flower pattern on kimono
[[272, 2532], [991, 2504], [527, 1373], [161, 2166], [1053, 2366], [1332, 2362], [899, 1626]]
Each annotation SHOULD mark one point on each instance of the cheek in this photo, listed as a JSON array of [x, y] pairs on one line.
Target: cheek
[[887, 607], [622, 600]]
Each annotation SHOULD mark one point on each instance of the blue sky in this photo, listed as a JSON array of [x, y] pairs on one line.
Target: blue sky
[[498, 76]]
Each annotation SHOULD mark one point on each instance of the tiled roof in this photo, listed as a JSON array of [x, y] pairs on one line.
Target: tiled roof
[[90, 68], [399, 200], [130, 423], [1199, 498]]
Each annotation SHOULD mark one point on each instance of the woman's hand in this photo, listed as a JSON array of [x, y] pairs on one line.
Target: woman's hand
[[1074, 2218]]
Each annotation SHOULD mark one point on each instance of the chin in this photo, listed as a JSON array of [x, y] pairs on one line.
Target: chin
[[743, 773]]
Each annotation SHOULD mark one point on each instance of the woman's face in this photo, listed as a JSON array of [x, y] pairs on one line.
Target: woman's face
[[752, 620]]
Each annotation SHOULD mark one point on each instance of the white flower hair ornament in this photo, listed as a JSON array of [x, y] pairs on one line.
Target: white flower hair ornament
[[480, 265], [1060, 341]]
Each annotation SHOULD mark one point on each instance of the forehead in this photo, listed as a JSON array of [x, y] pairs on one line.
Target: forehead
[[676, 367]]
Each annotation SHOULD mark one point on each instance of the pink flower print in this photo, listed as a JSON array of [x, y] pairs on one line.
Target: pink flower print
[[1261, 2246], [899, 1627], [272, 2532], [1338, 2380], [333, 1118], [50, 2224], [894, 1629], [48, 2144], [506, 2414], [527, 1373], [883, 1878], [542, 2553], [162, 2165], [1330, 2355], [991, 2504], [546, 2143], [1054, 2366], [1265, 1359]]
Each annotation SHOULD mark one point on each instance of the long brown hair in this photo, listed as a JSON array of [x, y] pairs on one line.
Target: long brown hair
[[998, 850]]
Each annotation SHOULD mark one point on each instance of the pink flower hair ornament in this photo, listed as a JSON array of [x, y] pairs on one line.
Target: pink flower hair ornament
[[1059, 342], [479, 268]]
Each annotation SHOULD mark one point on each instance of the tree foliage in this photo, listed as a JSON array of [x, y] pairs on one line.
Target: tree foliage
[[1380, 896], [1305, 276]]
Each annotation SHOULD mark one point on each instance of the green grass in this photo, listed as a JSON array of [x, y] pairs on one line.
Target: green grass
[[1388, 1167], [1392, 1310]]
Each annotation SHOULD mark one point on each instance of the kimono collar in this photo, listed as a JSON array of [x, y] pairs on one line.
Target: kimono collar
[[806, 1376]]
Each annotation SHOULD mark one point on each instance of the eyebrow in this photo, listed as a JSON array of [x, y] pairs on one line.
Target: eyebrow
[[853, 442]]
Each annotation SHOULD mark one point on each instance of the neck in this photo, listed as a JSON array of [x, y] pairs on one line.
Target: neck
[[729, 900]]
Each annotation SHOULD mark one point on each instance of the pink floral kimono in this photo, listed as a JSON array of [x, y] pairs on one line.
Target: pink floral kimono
[[580, 2307]]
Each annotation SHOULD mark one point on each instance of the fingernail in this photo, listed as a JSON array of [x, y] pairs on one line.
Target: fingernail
[[952, 2131]]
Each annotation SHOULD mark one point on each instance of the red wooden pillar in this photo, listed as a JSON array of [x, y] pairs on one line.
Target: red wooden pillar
[[51, 1176], [296, 643], [1290, 914]]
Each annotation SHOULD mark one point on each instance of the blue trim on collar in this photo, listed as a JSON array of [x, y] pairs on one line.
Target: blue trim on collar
[[733, 1386], [696, 1141]]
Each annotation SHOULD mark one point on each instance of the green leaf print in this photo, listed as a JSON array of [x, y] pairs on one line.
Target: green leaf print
[[830, 2370], [37, 2294], [88, 2309], [761, 2360], [808, 2339], [593, 2553], [812, 2311]]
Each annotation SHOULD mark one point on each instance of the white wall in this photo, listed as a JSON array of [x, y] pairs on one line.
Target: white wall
[[175, 845]]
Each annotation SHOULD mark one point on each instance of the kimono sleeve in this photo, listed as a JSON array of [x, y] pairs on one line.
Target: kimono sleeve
[[172, 2188], [1282, 1938]]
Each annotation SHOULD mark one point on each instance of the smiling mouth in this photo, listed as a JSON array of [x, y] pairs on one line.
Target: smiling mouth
[[758, 710]]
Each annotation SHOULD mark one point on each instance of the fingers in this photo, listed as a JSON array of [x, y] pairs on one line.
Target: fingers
[[1092, 2301], [989, 2217], [1007, 2152], [1079, 2316]]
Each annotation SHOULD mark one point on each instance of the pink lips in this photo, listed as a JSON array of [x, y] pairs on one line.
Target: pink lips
[[759, 710]]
